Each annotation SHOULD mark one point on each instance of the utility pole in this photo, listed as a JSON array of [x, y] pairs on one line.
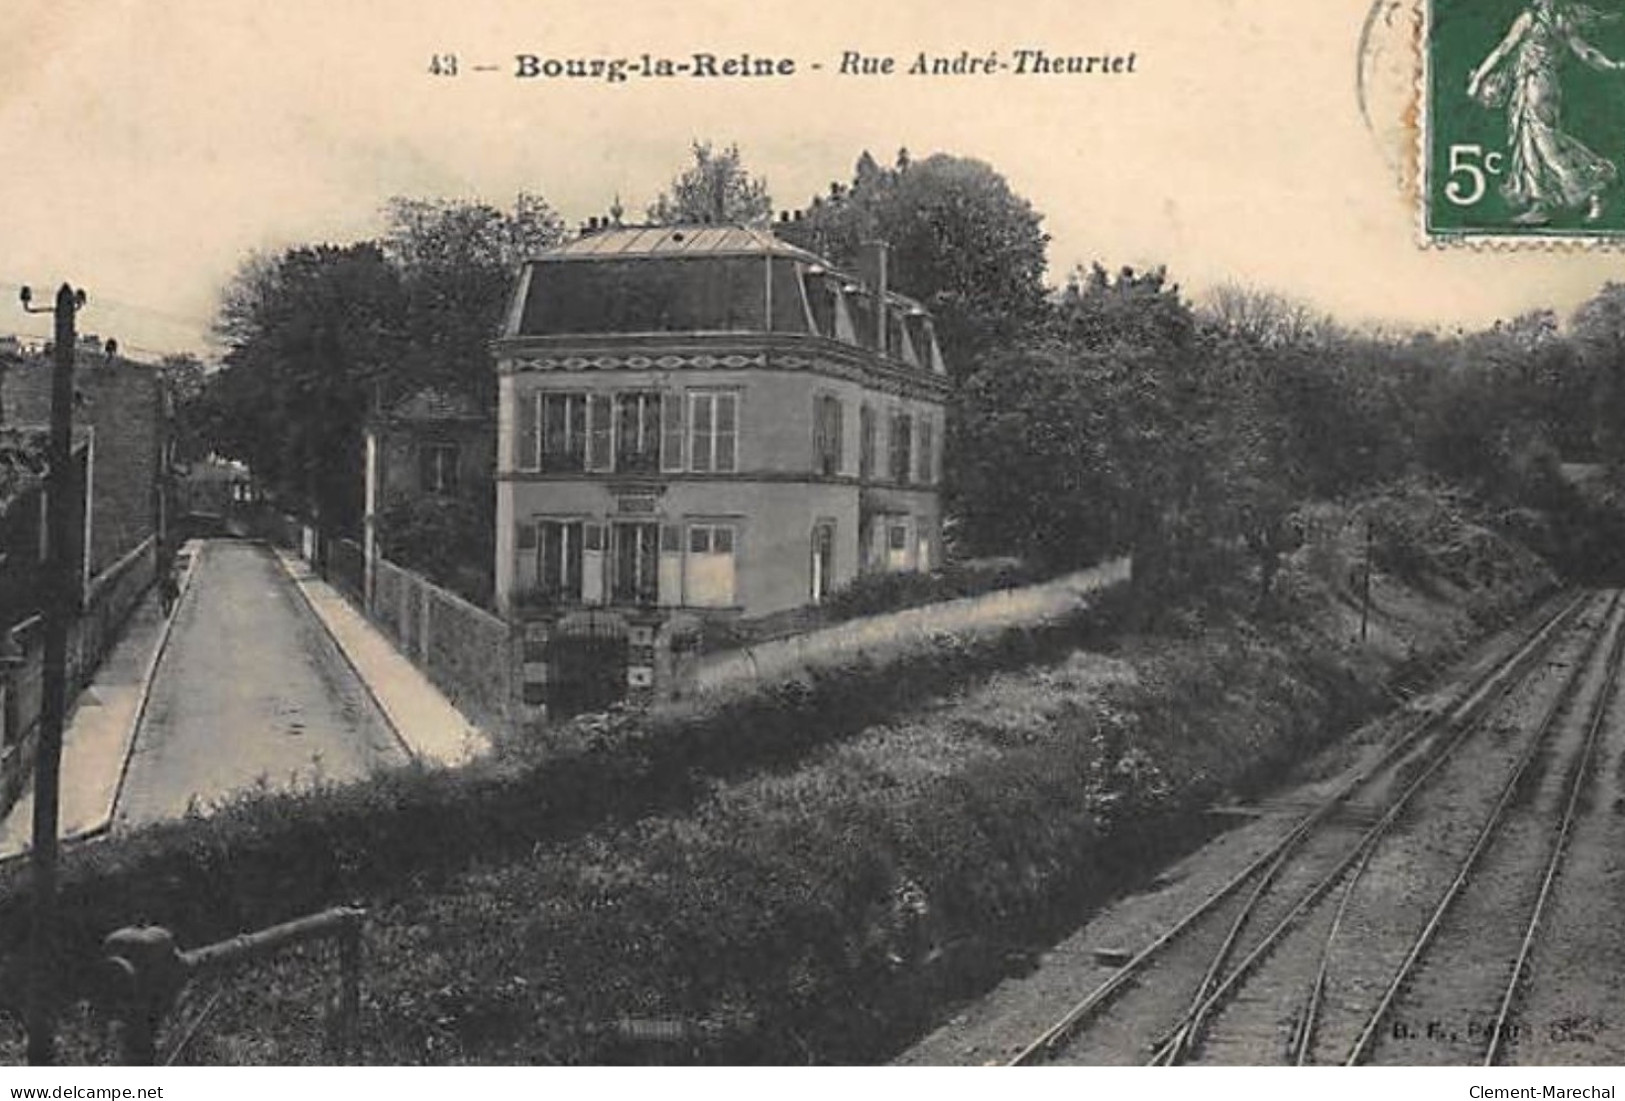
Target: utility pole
[[60, 606], [1365, 585]]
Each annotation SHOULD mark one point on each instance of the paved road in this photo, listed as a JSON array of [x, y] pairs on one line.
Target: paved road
[[250, 691]]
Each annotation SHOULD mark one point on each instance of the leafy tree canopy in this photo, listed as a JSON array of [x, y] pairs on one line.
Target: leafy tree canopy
[[715, 188], [309, 335], [962, 242], [317, 335], [456, 261]]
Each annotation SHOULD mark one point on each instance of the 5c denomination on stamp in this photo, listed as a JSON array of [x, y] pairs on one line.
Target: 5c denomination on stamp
[[1524, 121]]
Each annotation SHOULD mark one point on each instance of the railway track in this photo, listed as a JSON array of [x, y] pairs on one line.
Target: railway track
[[1424, 938], [1212, 985]]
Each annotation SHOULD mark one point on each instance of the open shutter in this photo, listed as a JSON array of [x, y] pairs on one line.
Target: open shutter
[[671, 431], [529, 442], [600, 434]]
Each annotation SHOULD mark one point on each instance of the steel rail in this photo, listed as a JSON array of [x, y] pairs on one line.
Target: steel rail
[[1565, 830], [1182, 1036], [1473, 695], [1304, 1043], [1367, 1037], [1215, 969]]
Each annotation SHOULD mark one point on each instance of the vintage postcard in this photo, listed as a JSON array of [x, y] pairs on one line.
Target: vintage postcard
[[544, 534]]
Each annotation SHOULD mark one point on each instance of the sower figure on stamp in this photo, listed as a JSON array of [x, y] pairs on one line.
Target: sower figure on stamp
[[1550, 170]]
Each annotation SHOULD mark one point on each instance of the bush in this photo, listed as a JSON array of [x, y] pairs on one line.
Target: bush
[[266, 859], [877, 593], [448, 540]]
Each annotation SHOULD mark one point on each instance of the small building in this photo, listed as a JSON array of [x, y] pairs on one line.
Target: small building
[[431, 452], [121, 425], [117, 518], [432, 443], [705, 422]]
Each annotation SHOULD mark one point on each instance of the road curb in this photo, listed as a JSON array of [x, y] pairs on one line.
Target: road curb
[[103, 827], [147, 679], [283, 559]]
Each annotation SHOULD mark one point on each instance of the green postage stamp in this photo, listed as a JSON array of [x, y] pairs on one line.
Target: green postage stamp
[[1524, 126]]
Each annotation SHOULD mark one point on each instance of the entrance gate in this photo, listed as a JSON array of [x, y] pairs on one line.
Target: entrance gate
[[587, 659]]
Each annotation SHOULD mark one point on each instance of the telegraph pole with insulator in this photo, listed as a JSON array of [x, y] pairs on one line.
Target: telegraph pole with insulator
[[61, 603]]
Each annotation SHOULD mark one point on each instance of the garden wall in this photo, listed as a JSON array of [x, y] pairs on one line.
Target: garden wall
[[1029, 606], [111, 597]]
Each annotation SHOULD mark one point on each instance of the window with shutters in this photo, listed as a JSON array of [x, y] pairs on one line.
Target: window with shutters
[[552, 560], [713, 431], [925, 453], [827, 435], [563, 425], [635, 573], [637, 432], [559, 553]]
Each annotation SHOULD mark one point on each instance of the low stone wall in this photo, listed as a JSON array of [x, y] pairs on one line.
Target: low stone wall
[[465, 651], [111, 598], [1030, 605]]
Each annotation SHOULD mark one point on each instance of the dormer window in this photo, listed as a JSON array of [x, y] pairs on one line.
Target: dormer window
[[823, 299], [917, 323], [898, 344]]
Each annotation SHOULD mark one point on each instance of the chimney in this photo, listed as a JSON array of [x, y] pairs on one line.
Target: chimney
[[874, 268]]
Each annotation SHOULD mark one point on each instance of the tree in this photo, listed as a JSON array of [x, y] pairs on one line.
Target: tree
[[184, 379], [1105, 422], [317, 336], [1265, 317], [456, 262], [715, 188], [1599, 339], [962, 243], [449, 540], [309, 335]]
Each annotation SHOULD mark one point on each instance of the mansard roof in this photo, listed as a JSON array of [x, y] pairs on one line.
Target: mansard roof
[[629, 242], [716, 279]]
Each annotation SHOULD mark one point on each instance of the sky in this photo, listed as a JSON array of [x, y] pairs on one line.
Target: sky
[[152, 145]]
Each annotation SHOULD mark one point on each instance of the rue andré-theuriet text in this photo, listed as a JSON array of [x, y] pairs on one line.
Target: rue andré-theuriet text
[[851, 63]]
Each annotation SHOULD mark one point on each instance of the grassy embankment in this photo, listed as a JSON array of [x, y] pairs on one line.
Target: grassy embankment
[[804, 874]]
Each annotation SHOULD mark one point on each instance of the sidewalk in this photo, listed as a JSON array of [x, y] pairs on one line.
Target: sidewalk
[[430, 728], [99, 731]]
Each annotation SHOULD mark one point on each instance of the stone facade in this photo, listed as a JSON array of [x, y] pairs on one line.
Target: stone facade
[[120, 433], [700, 423], [119, 410]]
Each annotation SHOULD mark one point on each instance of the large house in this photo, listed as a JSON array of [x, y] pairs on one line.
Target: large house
[[706, 421]]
